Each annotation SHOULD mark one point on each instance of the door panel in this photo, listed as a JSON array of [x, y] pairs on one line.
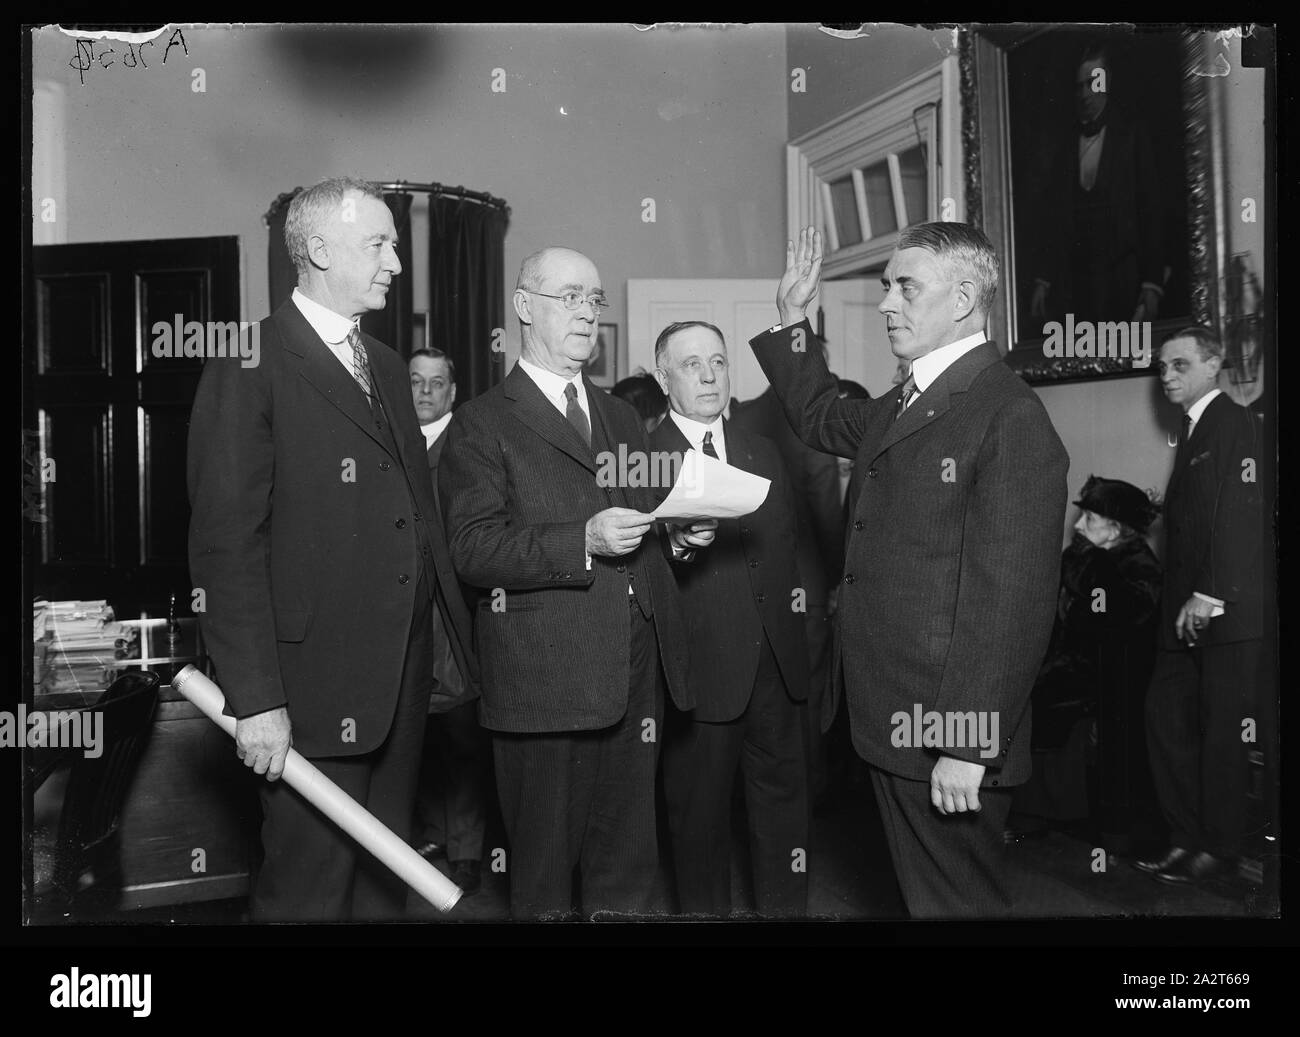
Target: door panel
[[113, 417]]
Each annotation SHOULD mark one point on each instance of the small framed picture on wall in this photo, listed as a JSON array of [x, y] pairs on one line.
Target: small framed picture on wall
[[602, 366]]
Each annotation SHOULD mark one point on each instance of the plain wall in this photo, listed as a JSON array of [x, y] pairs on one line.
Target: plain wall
[[842, 74], [593, 120]]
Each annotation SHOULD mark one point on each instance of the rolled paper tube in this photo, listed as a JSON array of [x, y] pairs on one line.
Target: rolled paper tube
[[333, 802]]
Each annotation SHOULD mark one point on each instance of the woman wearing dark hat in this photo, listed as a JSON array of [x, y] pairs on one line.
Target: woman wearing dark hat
[[1087, 701]]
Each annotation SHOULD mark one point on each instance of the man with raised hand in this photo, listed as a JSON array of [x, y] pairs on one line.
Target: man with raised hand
[[949, 588]]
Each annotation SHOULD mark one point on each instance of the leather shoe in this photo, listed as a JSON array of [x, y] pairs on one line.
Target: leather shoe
[[1171, 857], [1194, 868], [466, 875], [431, 851]]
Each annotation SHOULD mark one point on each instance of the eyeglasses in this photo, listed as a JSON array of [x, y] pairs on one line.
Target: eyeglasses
[[572, 300]]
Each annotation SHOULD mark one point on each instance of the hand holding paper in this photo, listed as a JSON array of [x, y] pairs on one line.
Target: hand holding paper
[[708, 488]]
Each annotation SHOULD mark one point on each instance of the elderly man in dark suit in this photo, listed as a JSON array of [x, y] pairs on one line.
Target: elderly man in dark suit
[[578, 621], [1208, 667], [452, 803], [318, 546], [749, 674], [950, 579]]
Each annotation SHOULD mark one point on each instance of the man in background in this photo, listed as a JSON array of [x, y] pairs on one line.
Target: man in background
[[1209, 667], [743, 600], [451, 805], [819, 515]]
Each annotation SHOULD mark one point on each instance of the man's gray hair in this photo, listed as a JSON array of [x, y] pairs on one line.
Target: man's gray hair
[[963, 251], [1207, 342], [530, 270], [311, 208]]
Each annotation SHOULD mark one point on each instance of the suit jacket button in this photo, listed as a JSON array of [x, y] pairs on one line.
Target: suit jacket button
[[872, 473], [848, 577], [994, 781], [857, 523], [744, 529], [384, 466], [759, 598], [753, 563], [400, 523], [621, 569], [403, 578]]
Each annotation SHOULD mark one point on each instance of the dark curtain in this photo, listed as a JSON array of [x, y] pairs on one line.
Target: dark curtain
[[467, 289], [279, 267], [392, 324]]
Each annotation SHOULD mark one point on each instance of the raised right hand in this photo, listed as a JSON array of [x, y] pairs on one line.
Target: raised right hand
[[616, 531], [262, 741], [803, 270]]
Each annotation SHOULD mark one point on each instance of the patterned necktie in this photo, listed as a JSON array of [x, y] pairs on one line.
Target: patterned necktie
[[905, 396], [360, 365], [573, 411], [709, 447]]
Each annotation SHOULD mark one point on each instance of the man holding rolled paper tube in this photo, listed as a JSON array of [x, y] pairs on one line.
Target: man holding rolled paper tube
[[949, 591], [320, 553], [577, 622]]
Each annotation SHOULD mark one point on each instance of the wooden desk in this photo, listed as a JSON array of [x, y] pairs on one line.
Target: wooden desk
[[189, 828]]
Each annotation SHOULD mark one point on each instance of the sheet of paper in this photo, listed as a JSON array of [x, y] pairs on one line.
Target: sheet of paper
[[708, 488]]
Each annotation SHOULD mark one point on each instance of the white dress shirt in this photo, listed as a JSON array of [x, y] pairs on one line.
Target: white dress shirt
[[552, 386], [434, 429], [333, 328], [1198, 408], [925, 369], [694, 432]]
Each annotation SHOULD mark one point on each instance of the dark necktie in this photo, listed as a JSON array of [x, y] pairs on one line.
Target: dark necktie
[[904, 396], [708, 446], [573, 411], [1180, 455]]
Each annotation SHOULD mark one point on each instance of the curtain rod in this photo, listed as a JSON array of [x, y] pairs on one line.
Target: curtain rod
[[443, 189], [402, 187]]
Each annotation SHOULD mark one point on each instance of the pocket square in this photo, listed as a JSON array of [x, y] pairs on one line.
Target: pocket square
[[1198, 459]]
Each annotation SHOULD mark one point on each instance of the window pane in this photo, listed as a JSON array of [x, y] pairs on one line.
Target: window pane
[[845, 209], [911, 168], [880, 199]]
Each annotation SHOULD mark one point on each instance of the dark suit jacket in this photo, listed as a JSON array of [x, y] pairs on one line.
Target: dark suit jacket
[[816, 480], [301, 536], [518, 485], [952, 556], [742, 585], [1215, 537], [450, 689], [1126, 200]]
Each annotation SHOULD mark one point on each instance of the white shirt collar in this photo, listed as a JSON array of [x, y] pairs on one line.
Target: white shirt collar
[[434, 429], [694, 430], [1198, 408], [332, 327], [552, 384], [925, 369]]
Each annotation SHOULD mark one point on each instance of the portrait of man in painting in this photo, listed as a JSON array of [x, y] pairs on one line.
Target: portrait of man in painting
[[1097, 136]]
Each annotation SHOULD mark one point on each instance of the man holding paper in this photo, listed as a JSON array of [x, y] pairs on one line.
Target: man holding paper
[[749, 656], [951, 563], [577, 623]]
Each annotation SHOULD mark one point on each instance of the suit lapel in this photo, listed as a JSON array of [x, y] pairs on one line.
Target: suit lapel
[[938, 398], [535, 412], [321, 368]]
